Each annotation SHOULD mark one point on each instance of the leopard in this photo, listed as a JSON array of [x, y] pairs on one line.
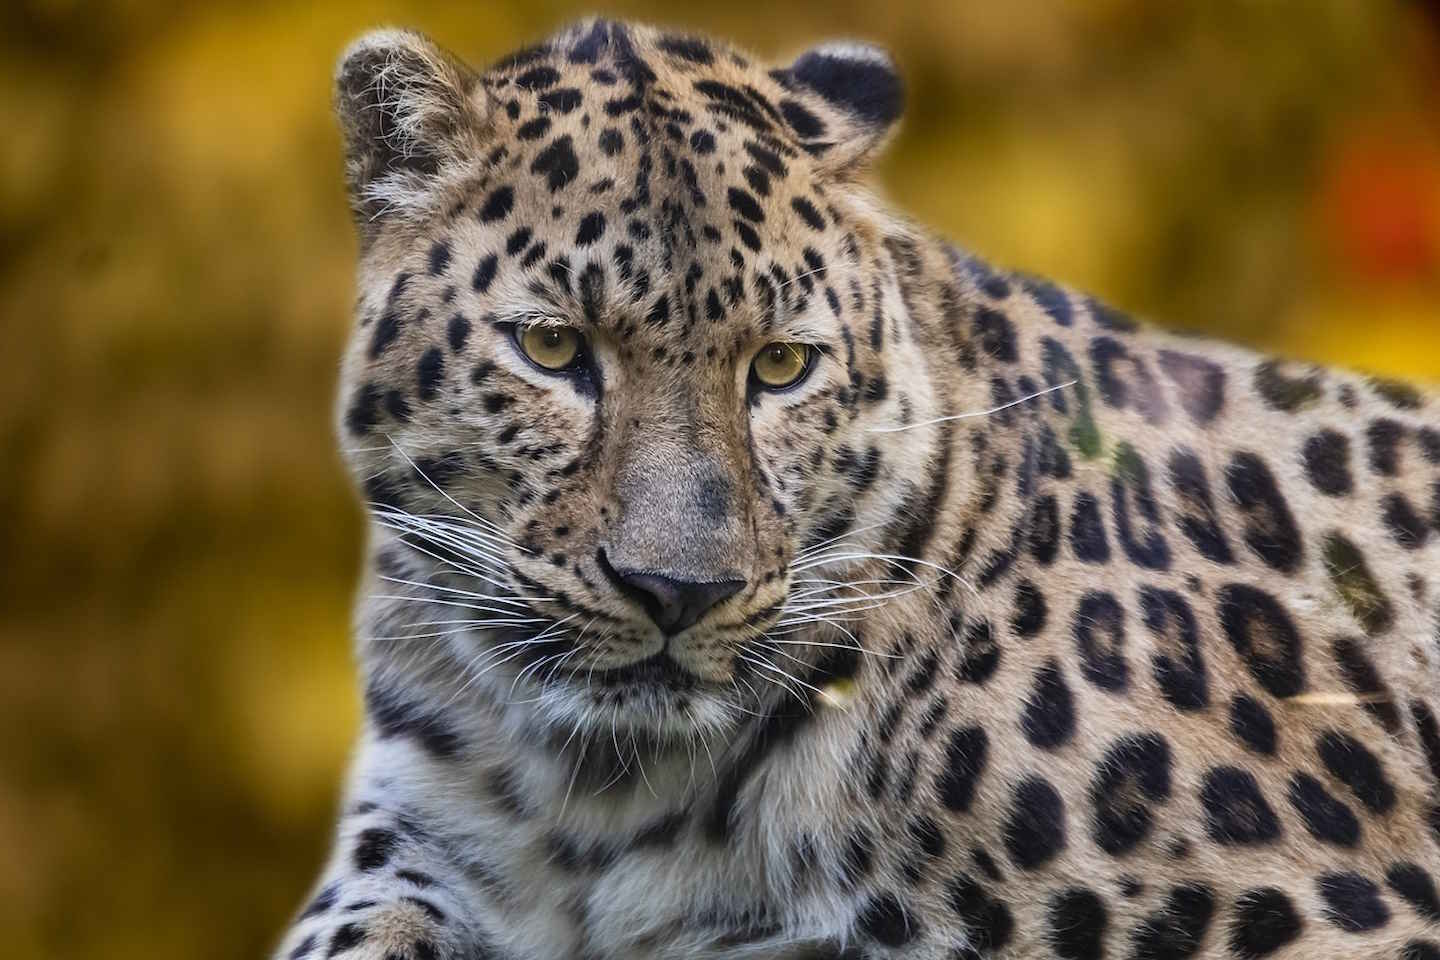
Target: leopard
[[753, 573]]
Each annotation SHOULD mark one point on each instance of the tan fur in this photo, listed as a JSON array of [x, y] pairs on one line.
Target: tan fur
[[989, 498]]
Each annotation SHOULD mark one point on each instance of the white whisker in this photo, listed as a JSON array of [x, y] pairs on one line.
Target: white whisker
[[974, 413]]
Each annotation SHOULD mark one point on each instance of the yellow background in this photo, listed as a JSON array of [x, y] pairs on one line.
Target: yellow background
[[179, 543]]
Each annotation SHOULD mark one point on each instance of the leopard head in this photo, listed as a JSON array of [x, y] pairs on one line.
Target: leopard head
[[627, 336]]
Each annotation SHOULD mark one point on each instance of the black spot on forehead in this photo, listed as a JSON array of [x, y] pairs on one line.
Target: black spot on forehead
[[538, 78], [557, 163], [533, 129], [611, 141], [560, 101], [687, 48]]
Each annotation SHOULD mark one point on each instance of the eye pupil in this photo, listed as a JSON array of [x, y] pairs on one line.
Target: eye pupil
[[553, 348], [781, 364]]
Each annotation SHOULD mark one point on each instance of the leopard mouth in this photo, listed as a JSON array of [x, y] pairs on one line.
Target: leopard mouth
[[657, 670]]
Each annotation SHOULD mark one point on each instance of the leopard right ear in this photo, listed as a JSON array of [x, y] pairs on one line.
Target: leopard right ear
[[407, 109]]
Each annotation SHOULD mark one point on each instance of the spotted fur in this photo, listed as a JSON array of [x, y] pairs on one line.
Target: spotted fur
[[1046, 634]]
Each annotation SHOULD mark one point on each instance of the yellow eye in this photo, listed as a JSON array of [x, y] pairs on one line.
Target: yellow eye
[[780, 364], [553, 348]]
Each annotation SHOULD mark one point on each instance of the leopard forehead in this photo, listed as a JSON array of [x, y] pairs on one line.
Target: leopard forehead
[[654, 186]]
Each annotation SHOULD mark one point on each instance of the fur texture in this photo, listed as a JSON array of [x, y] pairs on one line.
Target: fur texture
[[1058, 636]]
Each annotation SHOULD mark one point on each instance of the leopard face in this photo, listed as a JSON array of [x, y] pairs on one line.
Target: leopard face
[[621, 359]]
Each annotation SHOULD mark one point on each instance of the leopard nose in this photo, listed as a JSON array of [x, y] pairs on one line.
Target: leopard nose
[[672, 603]]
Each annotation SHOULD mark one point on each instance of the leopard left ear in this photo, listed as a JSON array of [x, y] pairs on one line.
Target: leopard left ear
[[407, 109], [843, 102]]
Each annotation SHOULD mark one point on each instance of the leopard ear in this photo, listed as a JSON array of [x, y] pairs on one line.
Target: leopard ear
[[844, 100], [406, 110]]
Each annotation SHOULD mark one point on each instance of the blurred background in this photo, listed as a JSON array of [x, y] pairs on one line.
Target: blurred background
[[180, 546]]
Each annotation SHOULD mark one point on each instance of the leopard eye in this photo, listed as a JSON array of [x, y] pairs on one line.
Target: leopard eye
[[781, 364], [550, 347]]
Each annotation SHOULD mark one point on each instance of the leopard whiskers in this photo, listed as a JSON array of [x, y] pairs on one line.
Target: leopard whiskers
[[463, 509], [973, 414], [785, 678], [502, 653]]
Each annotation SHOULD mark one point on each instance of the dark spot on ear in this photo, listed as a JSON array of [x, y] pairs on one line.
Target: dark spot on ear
[[861, 81]]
